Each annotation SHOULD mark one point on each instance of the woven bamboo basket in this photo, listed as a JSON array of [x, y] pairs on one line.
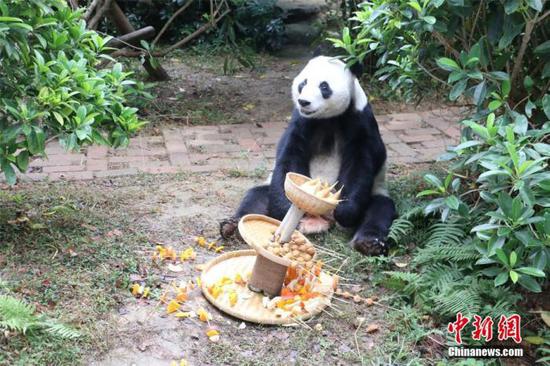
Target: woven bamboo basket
[[250, 304], [305, 201]]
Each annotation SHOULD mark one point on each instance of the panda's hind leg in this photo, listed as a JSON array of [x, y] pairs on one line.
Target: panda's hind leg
[[255, 201], [371, 235]]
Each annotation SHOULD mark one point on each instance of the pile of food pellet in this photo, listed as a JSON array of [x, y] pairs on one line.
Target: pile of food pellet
[[298, 249]]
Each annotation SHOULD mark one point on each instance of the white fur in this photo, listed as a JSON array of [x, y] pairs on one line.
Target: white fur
[[344, 85], [326, 166]]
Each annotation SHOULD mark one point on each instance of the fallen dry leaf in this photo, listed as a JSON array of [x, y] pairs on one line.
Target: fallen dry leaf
[[371, 328], [204, 315], [175, 267], [115, 232], [172, 306], [182, 314], [213, 335]]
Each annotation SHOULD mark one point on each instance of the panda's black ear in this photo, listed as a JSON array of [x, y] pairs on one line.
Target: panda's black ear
[[357, 69], [318, 51]]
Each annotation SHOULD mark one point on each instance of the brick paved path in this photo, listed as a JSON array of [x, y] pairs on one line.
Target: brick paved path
[[245, 148]]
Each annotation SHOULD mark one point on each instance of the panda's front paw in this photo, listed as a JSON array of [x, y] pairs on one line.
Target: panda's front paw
[[228, 228], [370, 245]]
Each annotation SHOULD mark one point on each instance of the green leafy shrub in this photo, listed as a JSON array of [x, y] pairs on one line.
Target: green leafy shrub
[[50, 86], [492, 236]]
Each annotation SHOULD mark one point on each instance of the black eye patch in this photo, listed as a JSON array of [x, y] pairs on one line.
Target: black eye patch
[[326, 91], [301, 85]]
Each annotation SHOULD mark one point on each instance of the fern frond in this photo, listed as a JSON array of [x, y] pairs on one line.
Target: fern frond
[[16, 315], [403, 276], [440, 276], [446, 233], [61, 330], [400, 228], [447, 253], [453, 301], [403, 225]]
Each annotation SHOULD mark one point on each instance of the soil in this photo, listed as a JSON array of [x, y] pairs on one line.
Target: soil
[[200, 93], [173, 212]]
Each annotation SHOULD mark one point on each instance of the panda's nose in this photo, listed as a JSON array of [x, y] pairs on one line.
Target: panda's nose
[[303, 103]]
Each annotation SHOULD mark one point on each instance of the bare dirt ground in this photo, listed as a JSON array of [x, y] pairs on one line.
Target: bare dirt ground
[[174, 212], [200, 93]]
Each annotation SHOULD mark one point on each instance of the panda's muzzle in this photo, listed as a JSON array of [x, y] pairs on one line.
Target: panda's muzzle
[[303, 102]]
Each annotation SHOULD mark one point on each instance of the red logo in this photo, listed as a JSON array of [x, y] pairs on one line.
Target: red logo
[[456, 327], [483, 329], [508, 327]]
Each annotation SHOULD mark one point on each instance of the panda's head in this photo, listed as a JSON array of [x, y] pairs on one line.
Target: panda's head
[[325, 88]]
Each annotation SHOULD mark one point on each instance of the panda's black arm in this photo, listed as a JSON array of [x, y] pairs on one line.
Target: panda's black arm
[[291, 157], [357, 179], [363, 157]]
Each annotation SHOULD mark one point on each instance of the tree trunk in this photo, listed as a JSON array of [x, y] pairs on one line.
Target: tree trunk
[[119, 20]]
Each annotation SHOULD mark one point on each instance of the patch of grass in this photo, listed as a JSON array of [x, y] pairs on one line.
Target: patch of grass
[[71, 259]]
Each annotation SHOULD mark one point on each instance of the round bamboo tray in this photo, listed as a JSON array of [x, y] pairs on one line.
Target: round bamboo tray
[[305, 201], [250, 304]]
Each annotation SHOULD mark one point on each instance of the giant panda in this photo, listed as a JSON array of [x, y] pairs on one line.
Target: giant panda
[[333, 135]]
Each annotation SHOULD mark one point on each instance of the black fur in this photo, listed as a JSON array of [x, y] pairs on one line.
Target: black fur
[[301, 85], [326, 91], [363, 155]]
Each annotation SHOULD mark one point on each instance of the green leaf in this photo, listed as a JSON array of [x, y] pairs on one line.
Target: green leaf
[[480, 93], [510, 6], [542, 148], [501, 255], [501, 279], [494, 105], [458, 89], [433, 180], [514, 276], [535, 4], [447, 64], [23, 160], [513, 259], [452, 202], [429, 19], [543, 48], [506, 87], [529, 283], [520, 124], [531, 271], [528, 83], [36, 142], [415, 5], [546, 105], [537, 340], [9, 172]]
